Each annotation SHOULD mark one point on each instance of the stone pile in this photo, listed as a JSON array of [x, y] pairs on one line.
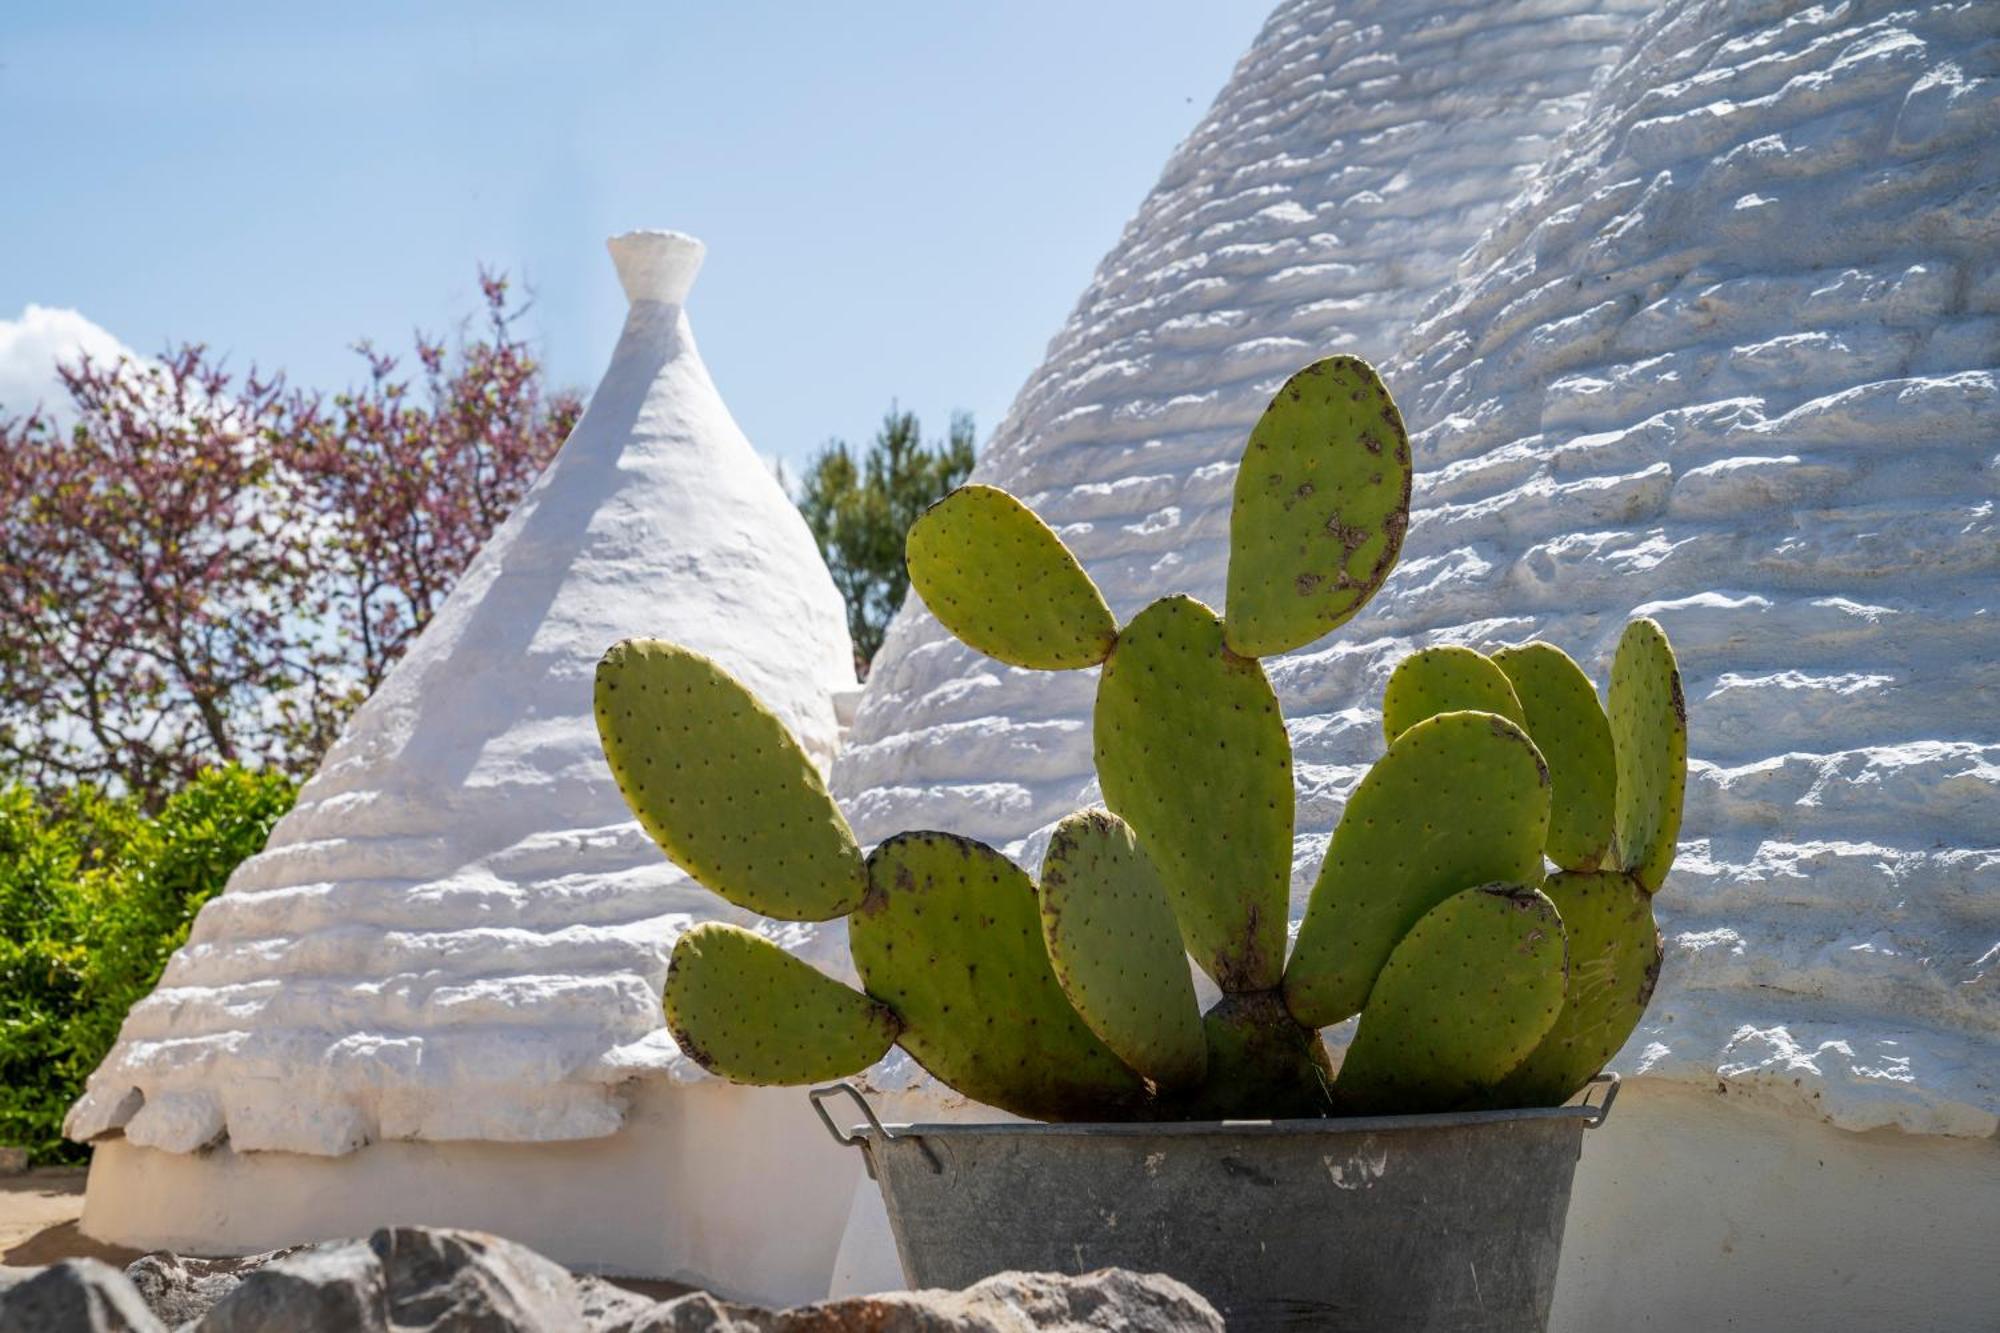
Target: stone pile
[[426, 1280]]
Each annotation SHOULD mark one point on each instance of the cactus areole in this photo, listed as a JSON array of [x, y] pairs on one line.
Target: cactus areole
[[1484, 907]]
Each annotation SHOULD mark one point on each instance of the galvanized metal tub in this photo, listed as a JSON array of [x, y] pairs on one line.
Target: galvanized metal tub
[[1429, 1222]]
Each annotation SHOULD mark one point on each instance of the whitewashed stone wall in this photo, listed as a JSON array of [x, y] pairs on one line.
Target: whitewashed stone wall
[[1723, 353], [1357, 152]]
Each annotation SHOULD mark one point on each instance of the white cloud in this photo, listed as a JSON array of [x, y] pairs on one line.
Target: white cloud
[[32, 346]]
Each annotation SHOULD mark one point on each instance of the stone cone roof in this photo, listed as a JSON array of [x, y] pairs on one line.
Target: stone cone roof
[[1694, 311], [460, 932]]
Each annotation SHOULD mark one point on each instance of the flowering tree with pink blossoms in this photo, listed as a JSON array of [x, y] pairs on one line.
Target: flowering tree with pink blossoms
[[202, 568]]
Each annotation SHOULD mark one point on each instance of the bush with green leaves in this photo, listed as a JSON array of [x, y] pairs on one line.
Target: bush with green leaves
[[94, 898]]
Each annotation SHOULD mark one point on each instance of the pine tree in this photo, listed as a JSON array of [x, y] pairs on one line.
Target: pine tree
[[861, 508]]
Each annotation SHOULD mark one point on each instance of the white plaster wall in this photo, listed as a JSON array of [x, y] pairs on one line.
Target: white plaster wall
[[737, 1190], [460, 932], [1696, 1211]]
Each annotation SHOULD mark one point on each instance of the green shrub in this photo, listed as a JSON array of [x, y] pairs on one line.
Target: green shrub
[[94, 897]]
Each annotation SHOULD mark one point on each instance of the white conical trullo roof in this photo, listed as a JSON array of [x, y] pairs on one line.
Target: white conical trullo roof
[[1694, 312], [1359, 148], [460, 932]]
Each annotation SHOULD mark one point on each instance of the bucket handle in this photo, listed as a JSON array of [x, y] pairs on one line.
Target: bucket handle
[[1607, 1080], [846, 1139]]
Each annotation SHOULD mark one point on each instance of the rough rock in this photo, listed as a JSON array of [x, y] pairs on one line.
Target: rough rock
[[1110, 1298], [314, 1291], [419, 1278], [435, 1280], [76, 1296], [179, 1289]]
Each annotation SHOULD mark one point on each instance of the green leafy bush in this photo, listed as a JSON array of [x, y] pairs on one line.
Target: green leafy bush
[[94, 897]]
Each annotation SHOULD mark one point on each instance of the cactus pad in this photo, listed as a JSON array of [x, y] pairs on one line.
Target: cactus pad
[[1466, 995], [1001, 580], [1461, 798], [1649, 735], [1446, 679], [1614, 962], [1568, 726], [1322, 501], [719, 783], [1192, 753], [1116, 950], [743, 1008], [1261, 1065], [950, 938]]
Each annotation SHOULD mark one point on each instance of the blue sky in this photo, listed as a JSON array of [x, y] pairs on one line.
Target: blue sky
[[899, 199]]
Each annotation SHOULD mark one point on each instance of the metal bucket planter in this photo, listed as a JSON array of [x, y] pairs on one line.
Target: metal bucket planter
[[1397, 1222]]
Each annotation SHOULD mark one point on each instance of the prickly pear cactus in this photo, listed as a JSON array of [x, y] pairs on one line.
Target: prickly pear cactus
[[950, 938], [999, 579], [1467, 993], [1192, 753], [1074, 999], [1569, 728], [1614, 963], [748, 1010], [1446, 679], [1322, 502], [721, 785], [1459, 799], [1117, 950], [1261, 1065], [1649, 734]]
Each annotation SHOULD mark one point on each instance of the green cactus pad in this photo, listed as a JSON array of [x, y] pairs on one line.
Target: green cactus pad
[[1322, 501], [743, 1008], [1261, 1065], [720, 784], [950, 938], [1649, 736], [1467, 994], [1001, 580], [1569, 728], [1116, 950], [1446, 679], [1461, 798], [1614, 963], [1192, 753]]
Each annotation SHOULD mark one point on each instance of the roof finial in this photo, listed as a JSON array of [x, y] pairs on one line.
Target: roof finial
[[656, 265]]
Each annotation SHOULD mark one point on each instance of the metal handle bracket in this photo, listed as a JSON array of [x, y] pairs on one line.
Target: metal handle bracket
[[850, 1139], [1610, 1083]]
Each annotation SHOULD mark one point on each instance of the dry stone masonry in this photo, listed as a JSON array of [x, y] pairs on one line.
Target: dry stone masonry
[[1695, 312]]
